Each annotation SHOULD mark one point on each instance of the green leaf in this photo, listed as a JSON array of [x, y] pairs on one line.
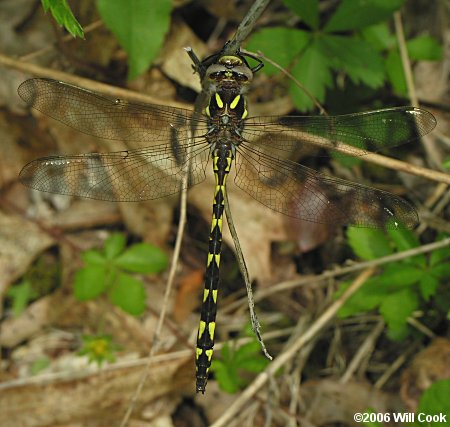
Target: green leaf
[[401, 274], [93, 257], [39, 365], [128, 293], [226, 377], [394, 70], [440, 255], [142, 258], [90, 282], [368, 243], [21, 294], [368, 297], [313, 71], [114, 245], [428, 286], [435, 401], [396, 308], [280, 44], [357, 14], [63, 16], [140, 27], [446, 163], [403, 238], [424, 48], [308, 10], [356, 57], [441, 271], [379, 36]]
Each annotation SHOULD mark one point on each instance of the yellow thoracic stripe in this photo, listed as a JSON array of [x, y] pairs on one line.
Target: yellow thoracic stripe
[[235, 102], [219, 101]]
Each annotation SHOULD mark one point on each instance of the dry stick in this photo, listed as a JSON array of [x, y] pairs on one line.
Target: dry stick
[[292, 284], [245, 27], [405, 59], [176, 255], [89, 84], [367, 347], [67, 38], [279, 361], [293, 78], [243, 267]]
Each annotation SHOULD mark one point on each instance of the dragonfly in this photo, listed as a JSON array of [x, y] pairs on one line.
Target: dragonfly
[[174, 147]]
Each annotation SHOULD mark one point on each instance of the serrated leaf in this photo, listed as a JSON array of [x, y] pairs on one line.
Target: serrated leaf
[[396, 308], [93, 257], [435, 401], [356, 57], [439, 255], [366, 298], [246, 351], [394, 71], [128, 293], [424, 48], [21, 294], [281, 45], [140, 27], [63, 16], [255, 364], [308, 10], [142, 258], [114, 245], [90, 282], [379, 36], [401, 274], [428, 286], [313, 71], [368, 243], [357, 14], [441, 271], [227, 378]]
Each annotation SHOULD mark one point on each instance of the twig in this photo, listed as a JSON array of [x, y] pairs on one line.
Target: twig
[[278, 362], [173, 265], [292, 284], [293, 78], [89, 84], [366, 348], [243, 267], [405, 59], [245, 27]]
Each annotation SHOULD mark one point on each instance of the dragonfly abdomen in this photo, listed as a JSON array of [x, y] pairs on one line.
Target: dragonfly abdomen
[[222, 159]]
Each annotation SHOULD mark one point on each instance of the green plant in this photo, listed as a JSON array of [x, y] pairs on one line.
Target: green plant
[[354, 41], [234, 361], [140, 27], [21, 294], [63, 16], [98, 349], [401, 287], [435, 402], [107, 271]]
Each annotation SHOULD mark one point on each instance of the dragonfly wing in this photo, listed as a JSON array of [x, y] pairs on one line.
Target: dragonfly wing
[[302, 193], [133, 175], [105, 117], [368, 131]]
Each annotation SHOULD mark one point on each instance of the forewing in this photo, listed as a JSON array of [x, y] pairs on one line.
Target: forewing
[[104, 117], [368, 131]]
